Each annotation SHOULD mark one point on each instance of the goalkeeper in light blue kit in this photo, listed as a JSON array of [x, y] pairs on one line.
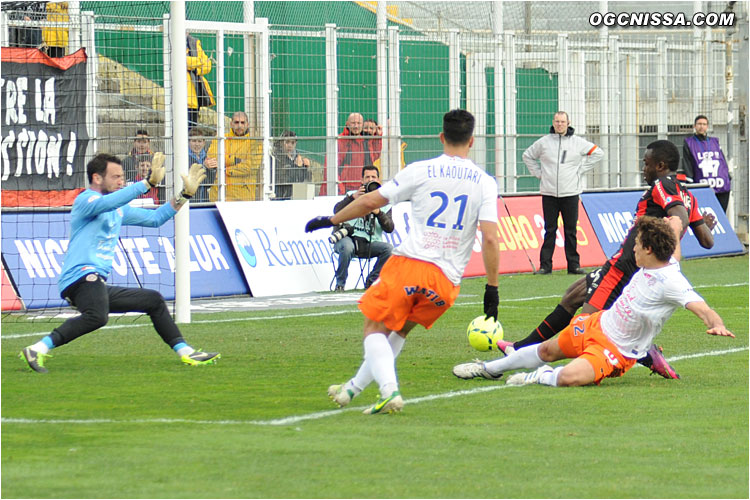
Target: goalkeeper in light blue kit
[[97, 216]]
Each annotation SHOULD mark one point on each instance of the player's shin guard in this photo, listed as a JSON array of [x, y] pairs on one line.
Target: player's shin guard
[[553, 324]]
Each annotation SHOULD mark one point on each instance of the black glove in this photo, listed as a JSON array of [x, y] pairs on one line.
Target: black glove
[[491, 300], [319, 222]]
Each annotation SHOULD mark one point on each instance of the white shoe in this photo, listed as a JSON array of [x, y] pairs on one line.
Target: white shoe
[[527, 378], [339, 395], [473, 370]]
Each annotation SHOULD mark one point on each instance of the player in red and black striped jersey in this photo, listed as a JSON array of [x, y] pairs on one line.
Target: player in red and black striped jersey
[[663, 199], [604, 285], [599, 289], [701, 224]]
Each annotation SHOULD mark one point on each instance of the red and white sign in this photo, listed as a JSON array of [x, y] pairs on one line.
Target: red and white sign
[[521, 230]]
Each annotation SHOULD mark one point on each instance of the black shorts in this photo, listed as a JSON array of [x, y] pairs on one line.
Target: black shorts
[[70, 292]]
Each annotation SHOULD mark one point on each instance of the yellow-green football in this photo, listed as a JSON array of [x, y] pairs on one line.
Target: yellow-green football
[[484, 333]]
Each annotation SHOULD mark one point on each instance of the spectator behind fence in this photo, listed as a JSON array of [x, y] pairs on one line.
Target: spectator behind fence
[[24, 36], [289, 166], [351, 145], [243, 158], [143, 171], [373, 134], [560, 159], [197, 154], [141, 146], [364, 237], [56, 37], [199, 92], [703, 160]]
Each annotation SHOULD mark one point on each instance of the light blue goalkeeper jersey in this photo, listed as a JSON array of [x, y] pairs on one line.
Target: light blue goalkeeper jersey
[[95, 228]]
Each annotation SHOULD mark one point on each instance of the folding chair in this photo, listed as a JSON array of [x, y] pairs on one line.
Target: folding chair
[[364, 269]]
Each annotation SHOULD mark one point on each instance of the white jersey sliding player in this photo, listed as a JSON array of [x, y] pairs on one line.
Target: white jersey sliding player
[[450, 195], [608, 343]]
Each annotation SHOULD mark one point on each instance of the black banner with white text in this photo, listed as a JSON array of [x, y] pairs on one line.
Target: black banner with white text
[[44, 135]]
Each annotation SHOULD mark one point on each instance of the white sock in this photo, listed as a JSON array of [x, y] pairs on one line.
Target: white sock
[[550, 378], [525, 357], [185, 351], [397, 343], [364, 377], [40, 347], [379, 357]]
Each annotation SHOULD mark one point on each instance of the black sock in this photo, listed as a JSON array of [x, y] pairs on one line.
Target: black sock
[[551, 326]]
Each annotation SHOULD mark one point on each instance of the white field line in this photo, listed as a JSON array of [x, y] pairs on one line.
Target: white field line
[[259, 318], [198, 322], [310, 315], [310, 416]]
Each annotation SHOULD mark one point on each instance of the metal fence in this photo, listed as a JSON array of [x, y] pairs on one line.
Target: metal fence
[[298, 70], [621, 91]]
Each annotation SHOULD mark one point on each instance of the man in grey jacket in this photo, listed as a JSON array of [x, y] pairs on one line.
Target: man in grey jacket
[[559, 159]]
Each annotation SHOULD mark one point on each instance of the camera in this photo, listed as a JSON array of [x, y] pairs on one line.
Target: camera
[[341, 233], [371, 186]]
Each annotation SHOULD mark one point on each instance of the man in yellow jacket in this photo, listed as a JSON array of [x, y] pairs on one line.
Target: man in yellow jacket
[[243, 158], [199, 92], [56, 37]]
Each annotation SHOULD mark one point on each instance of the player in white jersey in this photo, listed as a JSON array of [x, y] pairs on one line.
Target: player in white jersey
[[608, 343], [450, 196]]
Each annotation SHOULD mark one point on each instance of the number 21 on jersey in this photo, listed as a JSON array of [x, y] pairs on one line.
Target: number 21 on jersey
[[434, 220]]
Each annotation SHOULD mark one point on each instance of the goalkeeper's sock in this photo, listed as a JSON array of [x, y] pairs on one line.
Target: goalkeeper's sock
[[43, 346], [551, 326], [364, 377], [525, 357], [182, 349]]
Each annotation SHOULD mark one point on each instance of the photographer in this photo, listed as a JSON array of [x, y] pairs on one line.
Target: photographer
[[364, 236]]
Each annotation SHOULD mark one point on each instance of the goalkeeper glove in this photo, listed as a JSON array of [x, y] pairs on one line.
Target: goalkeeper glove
[[491, 301], [192, 180], [319, 222], [158, 170]]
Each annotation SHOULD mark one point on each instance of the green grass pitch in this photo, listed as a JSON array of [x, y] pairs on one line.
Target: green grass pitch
[[118, 416]]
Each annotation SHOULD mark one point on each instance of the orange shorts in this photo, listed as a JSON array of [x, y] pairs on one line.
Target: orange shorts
[[584, 338], [408, 290]]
